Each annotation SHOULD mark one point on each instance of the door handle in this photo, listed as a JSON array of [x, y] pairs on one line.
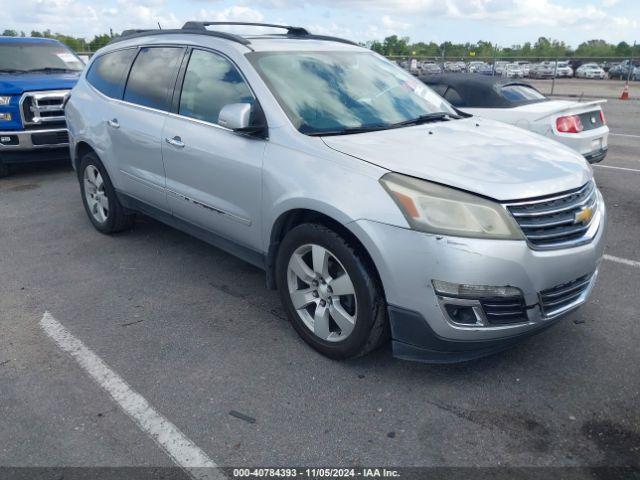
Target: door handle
[[175, 141], [113, 123]]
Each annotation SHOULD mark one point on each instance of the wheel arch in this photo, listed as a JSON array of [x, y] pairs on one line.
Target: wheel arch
[[82, 148], [297, 216]]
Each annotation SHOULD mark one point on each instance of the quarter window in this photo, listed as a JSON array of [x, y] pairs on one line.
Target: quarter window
[[210, 83], [108, 72], [153, 77]]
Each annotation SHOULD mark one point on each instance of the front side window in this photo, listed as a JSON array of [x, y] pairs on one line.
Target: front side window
[[107, 73], [521, 93], [153, 77], [211, 82], [331, 91], [24, 57]]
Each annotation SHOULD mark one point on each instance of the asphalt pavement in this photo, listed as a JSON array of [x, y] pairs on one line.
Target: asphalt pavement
[[195, 333]]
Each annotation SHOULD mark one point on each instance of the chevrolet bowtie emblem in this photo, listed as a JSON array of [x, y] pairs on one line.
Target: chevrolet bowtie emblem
[[584, 216]]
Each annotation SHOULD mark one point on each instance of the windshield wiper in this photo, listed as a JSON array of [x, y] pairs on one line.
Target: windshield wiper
[[348, 131], [50, 69], [11, 70], [429, 117]]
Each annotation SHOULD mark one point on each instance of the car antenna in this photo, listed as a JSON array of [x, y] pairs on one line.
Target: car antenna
[[159, 26]]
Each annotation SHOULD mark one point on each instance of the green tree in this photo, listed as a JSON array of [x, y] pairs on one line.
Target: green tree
[[10, 33]]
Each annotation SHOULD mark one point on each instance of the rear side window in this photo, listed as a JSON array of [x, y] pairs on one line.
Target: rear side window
[[108, 72], [521, 93], [210, 83], [153, 77]]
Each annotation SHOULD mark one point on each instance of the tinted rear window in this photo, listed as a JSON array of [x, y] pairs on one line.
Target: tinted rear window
[[521, 93], [107, 73], [153, 77]]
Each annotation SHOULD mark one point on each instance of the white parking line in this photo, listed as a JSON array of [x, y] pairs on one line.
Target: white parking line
[[624, 261], [618, 168], [182, 451], [624, 135]]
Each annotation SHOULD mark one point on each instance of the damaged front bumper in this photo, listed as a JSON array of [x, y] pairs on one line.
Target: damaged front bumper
[[550, 283]]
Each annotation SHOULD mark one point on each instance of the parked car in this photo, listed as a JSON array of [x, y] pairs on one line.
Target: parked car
[[485, 69], [591, 70], [512, 70], [621, 71], [563, 70], [474, 67], [451, 67], [420, 223], [36, 75], [636, 74], [542, 70], [499, 67], [431, 69], [525, 66], [578, 125]]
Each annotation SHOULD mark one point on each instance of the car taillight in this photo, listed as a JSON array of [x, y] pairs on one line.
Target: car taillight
[[602, 119], [570, 124]]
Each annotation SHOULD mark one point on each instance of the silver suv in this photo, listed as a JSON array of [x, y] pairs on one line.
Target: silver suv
[[376, 209]]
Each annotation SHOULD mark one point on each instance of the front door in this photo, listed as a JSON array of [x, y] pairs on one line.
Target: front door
[[214, 175]]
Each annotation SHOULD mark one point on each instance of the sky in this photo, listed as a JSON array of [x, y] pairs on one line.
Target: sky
[[505, 22]]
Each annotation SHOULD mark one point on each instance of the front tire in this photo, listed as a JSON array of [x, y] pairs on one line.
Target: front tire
[[330, 292], [99, 197]]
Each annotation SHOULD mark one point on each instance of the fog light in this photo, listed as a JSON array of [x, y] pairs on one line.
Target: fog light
[[5, 117], [473, 291], [463, 314], [9, 140]]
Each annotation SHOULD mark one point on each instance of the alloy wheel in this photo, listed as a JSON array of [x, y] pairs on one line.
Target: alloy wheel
[[95, 194], [322, 293]]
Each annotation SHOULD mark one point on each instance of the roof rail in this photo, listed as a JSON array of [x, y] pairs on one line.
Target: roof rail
[[299, 32], [203, 26], [200, 28], [127, 34]]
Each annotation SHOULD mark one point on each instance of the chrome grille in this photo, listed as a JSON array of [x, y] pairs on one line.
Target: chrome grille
[[562, 298], [555, 221], [38, 108]]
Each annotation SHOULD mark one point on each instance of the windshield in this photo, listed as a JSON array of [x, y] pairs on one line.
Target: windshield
[[331, 91], [27, 56]]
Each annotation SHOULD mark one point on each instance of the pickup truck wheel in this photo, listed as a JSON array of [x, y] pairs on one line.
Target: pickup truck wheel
[[99, 197], [4, 170], [330, 292]]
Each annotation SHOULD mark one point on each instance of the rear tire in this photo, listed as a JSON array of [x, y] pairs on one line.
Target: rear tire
[[99, 197], [340, 307]]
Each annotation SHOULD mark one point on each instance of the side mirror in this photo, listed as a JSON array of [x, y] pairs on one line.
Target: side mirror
[[235, 116]]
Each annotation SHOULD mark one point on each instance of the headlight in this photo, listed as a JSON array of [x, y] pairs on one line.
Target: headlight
[[5, 100], [432, 208]]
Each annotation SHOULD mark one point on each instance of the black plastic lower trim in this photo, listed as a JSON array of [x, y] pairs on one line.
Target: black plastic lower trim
[[244, 253], [413, 339], [597, 156], [34, 156]]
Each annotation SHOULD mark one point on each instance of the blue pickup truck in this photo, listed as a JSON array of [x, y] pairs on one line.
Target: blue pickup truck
[[36, 75]]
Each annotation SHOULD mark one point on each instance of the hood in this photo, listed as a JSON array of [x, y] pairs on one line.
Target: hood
[[478, 155], [17, 84]]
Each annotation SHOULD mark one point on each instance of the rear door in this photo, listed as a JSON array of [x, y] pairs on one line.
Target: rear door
[[136, 123], [214, 175]]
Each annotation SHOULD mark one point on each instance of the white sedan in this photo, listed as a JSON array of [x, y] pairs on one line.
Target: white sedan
[[591, 70], [578, 125]]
